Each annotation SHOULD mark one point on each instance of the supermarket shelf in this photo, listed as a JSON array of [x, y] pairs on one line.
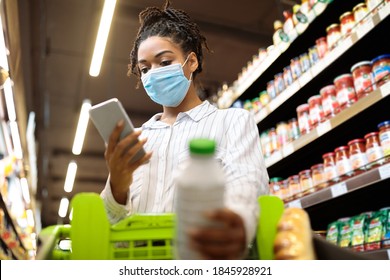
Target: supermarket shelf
[[334, 55], [357, 182], [345, 115], [382, 254]]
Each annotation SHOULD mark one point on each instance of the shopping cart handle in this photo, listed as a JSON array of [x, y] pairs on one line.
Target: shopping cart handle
[[49, 238]]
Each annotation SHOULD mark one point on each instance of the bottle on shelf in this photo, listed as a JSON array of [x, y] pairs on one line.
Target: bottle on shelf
[[280, 38], [197, 193], [288, 25]]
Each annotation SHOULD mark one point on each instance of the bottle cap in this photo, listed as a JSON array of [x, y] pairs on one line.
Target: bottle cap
[[278, 24], [202, 146]]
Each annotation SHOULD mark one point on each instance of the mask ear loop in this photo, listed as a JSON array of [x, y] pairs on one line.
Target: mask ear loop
[[190, 79]]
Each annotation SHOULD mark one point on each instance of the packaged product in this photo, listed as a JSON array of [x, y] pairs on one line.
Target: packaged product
[[375, 230], [345, 232], [332, 232], [386, 234], [358, 230]]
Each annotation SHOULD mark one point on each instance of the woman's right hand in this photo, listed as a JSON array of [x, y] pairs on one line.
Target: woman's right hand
[[118, 156]]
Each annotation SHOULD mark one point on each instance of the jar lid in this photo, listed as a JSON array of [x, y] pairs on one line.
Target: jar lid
[[356, 141], [383, 124], [319, 165], [293, 177], [371, 134], [278, 75], [384, 56], [330, 154], [342, 76], [321, 39], [275, 179], [304, 171], [303, 107], [328, 88], [358, 6], [348, 13], [341, 148], [361, 63], [333, 25], [314, 98]]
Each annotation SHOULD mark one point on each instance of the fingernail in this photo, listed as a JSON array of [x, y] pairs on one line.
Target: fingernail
[[120, 123]]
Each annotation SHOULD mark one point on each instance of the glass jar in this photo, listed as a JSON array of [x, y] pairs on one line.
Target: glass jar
[[360, 11], [293, 129], [279, 83], [305, 180], [296, 69], [347, 22], [305, 62], [384, 137], [273, 136], [363, 78], [282, 132], [317, 174], [330, 105], [284, 190], [313, 55], [333, 35], [374, 150], [345, 89], [374, 5], [322, 46], [287, 76], [343, 164], [315, 110], [357, 154], [303, 118], [330, 170], [265, 142], [275, 186], [271, 89], [293, 185], [381, 69]]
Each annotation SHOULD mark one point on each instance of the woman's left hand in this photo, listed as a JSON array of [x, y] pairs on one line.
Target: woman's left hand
[[224, 242]]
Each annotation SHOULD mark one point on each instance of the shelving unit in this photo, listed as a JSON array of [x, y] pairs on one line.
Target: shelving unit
[[368, 191]]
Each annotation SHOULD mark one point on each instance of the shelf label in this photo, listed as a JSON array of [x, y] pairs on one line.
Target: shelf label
[[364, 28], [385, 89], [323, 128], [384, 11], [288, 149], [295, 204], [384, 171], [339, 189]]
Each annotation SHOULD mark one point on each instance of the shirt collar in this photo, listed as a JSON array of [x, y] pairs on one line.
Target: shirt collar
[[196, 114]]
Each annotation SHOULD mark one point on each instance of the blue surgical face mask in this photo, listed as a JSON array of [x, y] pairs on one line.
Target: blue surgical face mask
[[167, 85]]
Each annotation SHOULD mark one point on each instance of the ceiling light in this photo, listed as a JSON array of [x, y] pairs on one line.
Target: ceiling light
[[81, 127], [101, 39], [70, 176], [63, 209]]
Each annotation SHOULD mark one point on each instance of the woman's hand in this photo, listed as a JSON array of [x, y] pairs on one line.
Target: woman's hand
[[118, 155], [225, 242]]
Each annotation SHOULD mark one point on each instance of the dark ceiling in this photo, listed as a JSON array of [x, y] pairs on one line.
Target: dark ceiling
[[59, 36]]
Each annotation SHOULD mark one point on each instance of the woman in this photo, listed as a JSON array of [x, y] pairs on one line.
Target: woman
[[167, 55]]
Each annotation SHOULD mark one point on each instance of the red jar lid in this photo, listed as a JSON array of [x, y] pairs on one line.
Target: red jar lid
[[343, 77], [314, 98], [303, 107], [356, 141], [330, 154], [319, 165], [371, 134], [304, 171], [361, 63], [341, 148], [346, 14]]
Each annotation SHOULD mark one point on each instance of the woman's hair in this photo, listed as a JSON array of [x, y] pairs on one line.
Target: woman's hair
[[171, 23]]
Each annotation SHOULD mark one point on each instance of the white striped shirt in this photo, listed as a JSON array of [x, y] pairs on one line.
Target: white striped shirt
[[238, 149]]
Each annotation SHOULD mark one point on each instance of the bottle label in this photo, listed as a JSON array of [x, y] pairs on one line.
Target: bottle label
[[374, 153], [345, 95], [330, 172], [385, 142], [343, 166], [358, 160], [363, 83]]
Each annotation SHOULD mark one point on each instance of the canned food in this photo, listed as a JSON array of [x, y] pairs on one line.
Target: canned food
[[381, 69], [345, 89], [363, 78]]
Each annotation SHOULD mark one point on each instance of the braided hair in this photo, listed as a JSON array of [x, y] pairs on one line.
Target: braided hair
[[172, 23]]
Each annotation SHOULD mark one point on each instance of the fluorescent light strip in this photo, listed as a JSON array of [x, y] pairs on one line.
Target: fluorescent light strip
[[25, 190], [63, 209], [9, 100], [16, 140], [70, 176], [101, 39], [81, 127]]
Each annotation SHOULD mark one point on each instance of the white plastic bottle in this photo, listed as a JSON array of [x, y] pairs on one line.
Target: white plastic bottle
[[199, 188]]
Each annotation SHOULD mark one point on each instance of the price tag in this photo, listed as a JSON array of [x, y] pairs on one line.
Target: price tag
[[384, 171], [385, 89], [384, 11], [288, 149], [323, 128], [364, 28], [339, 189], [295, 204]]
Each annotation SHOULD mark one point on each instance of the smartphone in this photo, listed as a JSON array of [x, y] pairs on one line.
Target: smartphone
[[105, 117]]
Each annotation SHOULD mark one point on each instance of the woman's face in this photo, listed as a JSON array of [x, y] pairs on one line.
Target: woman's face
[[157, 52]]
